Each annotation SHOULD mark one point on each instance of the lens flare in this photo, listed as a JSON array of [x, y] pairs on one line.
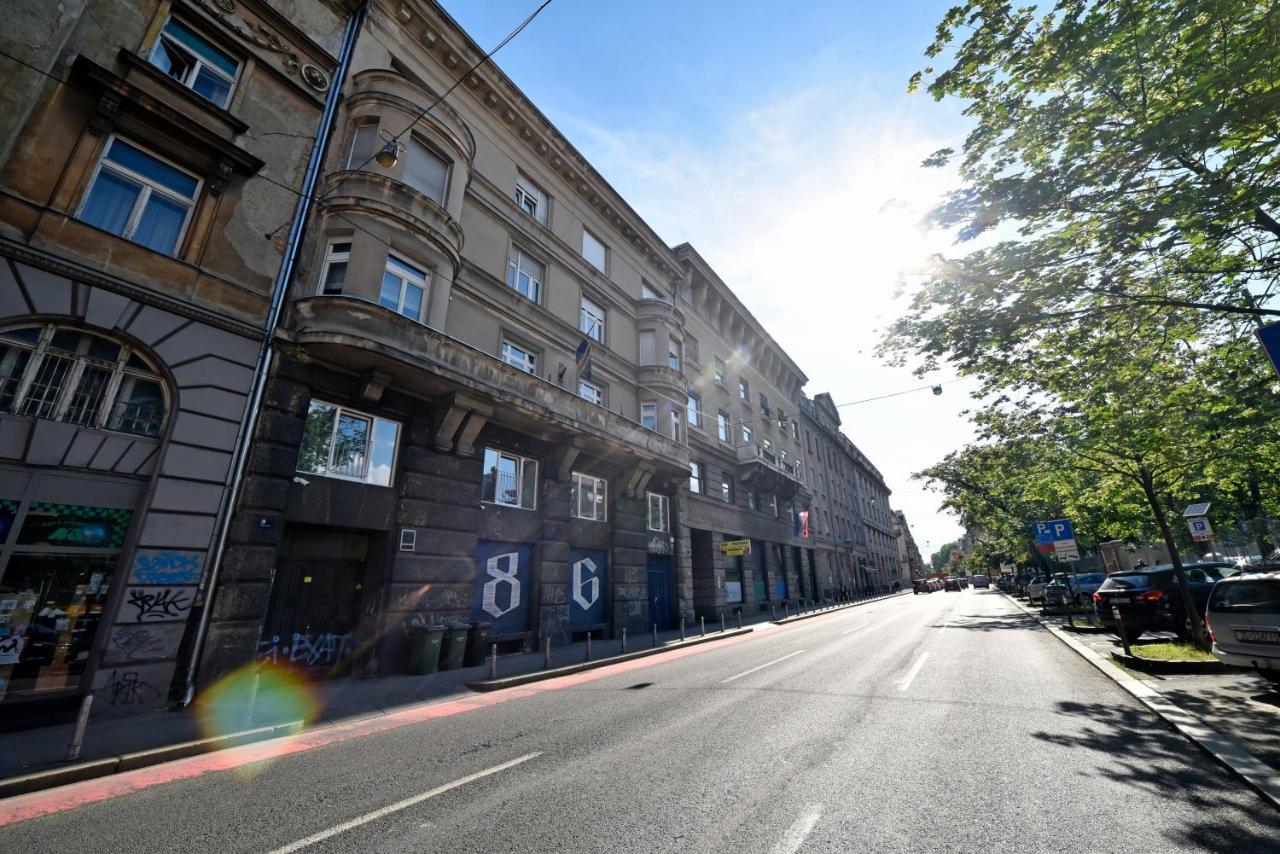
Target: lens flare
[[256, 695]]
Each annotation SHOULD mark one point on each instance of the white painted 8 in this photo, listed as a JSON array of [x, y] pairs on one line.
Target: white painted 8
[[489, 598]]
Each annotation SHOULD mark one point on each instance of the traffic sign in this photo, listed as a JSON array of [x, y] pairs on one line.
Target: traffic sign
[[1066, 550], [1053, 531], [1201, 530], [1269, 335]]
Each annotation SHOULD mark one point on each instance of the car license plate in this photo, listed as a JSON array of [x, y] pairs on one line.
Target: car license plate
[[1119, 600], [1257, 637]]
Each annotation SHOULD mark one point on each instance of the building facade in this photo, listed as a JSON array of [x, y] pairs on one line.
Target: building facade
[[151, 149], [910, 561]]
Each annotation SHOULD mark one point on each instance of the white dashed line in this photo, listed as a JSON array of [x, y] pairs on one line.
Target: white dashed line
[[911, 674], [762, 666], [799, 831]]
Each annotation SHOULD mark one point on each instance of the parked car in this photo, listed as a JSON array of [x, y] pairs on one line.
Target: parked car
[[1057, 592], [1149, 600], [952, 583], [981, 582], [1035, 588], [1243, 618], [1085, 584]]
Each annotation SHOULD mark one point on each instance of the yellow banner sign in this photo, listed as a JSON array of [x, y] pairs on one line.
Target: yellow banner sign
[[735, 548]]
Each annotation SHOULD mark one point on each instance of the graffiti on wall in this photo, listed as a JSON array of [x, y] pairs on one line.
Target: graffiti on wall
[[503, 586], [310, 650], [152, 566], [156, 604], [128, 688], [587, 579]]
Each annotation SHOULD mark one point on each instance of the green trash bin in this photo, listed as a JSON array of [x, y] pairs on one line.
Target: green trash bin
[[424, 649], [455, 646]]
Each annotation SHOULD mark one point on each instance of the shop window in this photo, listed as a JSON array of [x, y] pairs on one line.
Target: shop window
[[659, 512], [334, 276], [588, 497], [404, 288], [194, 62], [509, 480], [138, 196], [343, 443], [67, 375]]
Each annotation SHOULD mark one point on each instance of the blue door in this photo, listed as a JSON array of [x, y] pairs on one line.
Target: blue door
[[503, 586], [661, 599], [588, 575]]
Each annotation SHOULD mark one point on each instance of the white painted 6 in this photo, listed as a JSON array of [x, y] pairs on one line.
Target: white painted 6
[[580, 584], [489, 598]]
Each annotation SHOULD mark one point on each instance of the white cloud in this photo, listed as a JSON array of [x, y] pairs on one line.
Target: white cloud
[[809, 207]]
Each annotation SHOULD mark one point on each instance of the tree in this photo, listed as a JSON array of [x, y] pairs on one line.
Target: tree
[[942, 556], [1124, 160]]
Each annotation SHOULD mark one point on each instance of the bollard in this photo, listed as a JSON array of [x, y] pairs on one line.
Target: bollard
[[253, 696], [82, 722], [546, 654], [655, 634], [624, 638], [588, 646], [1124, 637], [493, 661], [702, 626], [773, 611], [786, 611], [739, 618], [682, 627], [722, 622]]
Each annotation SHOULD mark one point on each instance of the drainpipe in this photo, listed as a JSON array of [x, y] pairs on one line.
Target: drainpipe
[[266, 354]]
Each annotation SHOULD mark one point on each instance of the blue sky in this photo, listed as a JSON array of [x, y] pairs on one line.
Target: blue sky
[[778, 139]]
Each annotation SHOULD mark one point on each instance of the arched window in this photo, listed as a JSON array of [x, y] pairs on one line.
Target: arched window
[[66, 374]]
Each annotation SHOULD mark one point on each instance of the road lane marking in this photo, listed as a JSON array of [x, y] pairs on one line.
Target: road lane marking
[[911, 674], [400, 805], [762, 666], [854, 629], [799, 831]]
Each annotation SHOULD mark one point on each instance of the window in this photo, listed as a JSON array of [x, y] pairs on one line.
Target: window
[[591, 319], [509, 480], [194, 62], [67, 375], [364, 144], [334, 275], [404, 288], [766, 446], [425, 171], [140, 197], [764, 404], [795, 430], [718, 371], [648, 291], [746, 433], [726, 488], [343, 443], [594, 251], [519, 357], [659, 512], [691, 349], [744, 391], [591, 392], [524, 275], [722, 425], [648, 342], [649, 415], [530, 199], [772, 504], [676, 418], [695, 477], [752, 498], [693, 408], [673, 354], [588, 497]]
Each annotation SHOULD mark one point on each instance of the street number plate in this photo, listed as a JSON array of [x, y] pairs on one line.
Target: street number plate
[[1257, 637], [1119, 601]]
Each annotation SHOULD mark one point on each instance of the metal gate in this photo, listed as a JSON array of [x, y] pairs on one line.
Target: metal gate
[[313, 614], [660, 596]]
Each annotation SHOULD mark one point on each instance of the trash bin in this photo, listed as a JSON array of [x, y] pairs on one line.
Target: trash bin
[[477, 644], [424, 649], [455, 646]]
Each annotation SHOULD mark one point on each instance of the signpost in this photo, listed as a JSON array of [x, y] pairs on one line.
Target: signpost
[[1197, 516], [1056, 537]]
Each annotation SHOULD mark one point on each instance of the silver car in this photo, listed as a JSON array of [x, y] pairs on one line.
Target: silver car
[[1243, 618]]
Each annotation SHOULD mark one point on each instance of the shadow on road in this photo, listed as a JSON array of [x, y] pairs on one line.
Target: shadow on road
[[991, 623], [1138, 750]]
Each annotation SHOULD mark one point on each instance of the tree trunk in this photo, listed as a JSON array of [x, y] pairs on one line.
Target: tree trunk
[[1265, 546], [1184, 589]]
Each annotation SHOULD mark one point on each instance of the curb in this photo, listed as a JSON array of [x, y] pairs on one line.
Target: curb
[[1169, 665], [40, 780], [787, 620], [1255, 773], [566, 669]]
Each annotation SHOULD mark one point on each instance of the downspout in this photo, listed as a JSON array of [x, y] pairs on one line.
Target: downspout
[[266, 353]]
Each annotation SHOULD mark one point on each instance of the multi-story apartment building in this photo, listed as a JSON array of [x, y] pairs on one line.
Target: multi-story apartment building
[[910, 562], [151, 160], [838, 534], [877, 519]]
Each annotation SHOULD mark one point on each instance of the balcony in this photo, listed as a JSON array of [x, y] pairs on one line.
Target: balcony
[[388, 349], [365, 192], [759, 466]]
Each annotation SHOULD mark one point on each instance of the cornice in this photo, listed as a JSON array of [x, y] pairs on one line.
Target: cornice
[[447, 43]]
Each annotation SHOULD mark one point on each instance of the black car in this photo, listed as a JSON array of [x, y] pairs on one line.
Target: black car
[[1149, 600]]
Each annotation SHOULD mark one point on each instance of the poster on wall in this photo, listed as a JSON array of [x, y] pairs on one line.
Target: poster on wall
[[503, 588], [588, 577]]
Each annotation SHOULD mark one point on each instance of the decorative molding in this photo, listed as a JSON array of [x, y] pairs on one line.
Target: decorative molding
[[259, 35]]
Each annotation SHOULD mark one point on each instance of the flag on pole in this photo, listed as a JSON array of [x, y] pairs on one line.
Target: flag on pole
[[583, 358], [804, 523]]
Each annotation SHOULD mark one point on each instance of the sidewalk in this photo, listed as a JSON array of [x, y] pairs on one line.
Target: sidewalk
[[1239, 704], [44, 748]]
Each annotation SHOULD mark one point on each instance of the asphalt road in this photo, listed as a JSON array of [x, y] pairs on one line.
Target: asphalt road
[[945, 722]]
